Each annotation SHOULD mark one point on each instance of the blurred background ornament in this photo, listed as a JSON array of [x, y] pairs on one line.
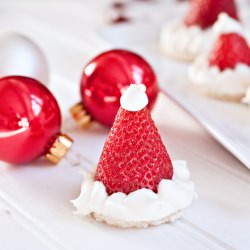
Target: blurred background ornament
[[118, 12], [30, 122], [21, 56], [103, 81]]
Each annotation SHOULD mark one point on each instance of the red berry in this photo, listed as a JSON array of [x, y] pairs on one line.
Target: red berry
[[229, 50], [205, 12], [134, 156]]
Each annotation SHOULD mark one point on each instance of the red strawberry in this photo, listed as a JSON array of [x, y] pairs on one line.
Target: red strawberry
[[229, 50], [134, 156], [205, 12]]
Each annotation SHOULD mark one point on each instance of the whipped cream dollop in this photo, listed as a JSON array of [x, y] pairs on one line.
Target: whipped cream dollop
[[134, 98], [229, 83], [225, 24], [182, 42], [142, 207]]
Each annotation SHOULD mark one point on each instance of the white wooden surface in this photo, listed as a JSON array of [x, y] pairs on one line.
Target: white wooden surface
[[35, 212]]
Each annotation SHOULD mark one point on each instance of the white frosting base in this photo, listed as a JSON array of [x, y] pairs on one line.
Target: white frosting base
[[179, 41], [228, 84], [134, 98], [139, 208]]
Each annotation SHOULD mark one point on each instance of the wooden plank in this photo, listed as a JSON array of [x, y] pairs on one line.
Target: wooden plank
[[18, 233]]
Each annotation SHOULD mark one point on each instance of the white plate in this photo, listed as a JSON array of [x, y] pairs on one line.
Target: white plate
[[228, 122]]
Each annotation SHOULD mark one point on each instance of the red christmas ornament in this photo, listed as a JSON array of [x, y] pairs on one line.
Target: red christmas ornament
[[30, 122], [105, 78]]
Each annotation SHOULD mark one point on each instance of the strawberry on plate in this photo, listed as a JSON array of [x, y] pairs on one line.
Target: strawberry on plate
[[224, 71], [204, 13], [229, 50], [188, 38]]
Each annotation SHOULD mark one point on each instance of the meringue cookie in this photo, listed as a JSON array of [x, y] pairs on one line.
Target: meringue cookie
[[140, 208], [182, 42], [230, 84]]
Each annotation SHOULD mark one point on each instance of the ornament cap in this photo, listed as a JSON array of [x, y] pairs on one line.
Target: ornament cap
[[80, 115], [59, 148]]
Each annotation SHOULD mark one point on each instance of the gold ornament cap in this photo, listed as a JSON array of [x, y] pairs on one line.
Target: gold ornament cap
[[59, 148], [80, 115]]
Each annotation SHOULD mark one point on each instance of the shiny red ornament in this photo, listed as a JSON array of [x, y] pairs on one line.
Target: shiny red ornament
[[30, 119], [105, 78]]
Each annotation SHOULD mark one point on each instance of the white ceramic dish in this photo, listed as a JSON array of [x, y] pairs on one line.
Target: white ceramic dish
[[228, 122]]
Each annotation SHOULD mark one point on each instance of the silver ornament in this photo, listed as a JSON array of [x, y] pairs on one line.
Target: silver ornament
[[21, 56]]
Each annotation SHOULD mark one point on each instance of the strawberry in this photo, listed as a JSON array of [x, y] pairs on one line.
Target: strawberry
[[204, 13], [134, 156], [229, 50]]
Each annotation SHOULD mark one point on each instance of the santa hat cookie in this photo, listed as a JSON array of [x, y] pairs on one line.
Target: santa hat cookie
[[135, 184], [188, 38], [224, 72]]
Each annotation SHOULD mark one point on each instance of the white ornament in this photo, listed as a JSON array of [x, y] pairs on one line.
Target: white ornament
[[21, 56]]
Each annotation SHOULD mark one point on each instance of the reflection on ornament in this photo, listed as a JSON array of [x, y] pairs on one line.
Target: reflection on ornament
[[21, 56], [30, 122], [105, 78]]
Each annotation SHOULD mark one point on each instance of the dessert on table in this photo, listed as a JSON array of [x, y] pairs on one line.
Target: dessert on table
[[224, 72], [135, 184], [186, 39]]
